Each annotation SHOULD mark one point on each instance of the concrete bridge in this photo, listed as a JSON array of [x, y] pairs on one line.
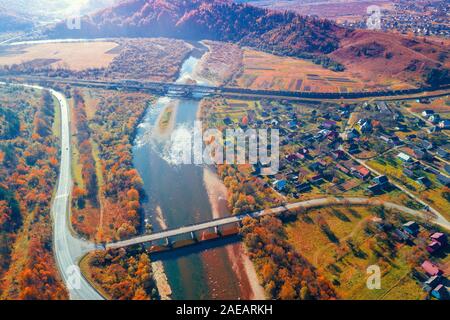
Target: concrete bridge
[[216, 224]]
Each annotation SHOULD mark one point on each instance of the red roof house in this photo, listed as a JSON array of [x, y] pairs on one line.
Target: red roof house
[[439, 237], [431, 269]]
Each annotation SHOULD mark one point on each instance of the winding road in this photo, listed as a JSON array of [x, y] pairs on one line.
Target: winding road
[[68, 250]]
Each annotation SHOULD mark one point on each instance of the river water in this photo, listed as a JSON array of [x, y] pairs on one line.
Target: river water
[[177, 196]]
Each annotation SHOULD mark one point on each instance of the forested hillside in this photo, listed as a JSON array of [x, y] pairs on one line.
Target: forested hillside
[[28, 172], [286, 33]]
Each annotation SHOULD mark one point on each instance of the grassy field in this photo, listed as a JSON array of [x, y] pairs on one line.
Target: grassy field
[[76, 56], [330, 252]]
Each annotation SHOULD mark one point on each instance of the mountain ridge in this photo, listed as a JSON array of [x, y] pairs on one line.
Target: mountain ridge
[[283, 33]]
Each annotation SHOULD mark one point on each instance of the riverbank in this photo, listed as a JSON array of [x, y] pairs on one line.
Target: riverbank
[[161, 281], [241, 263]]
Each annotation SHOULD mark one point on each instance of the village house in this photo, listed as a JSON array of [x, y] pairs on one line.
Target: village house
[[329, 125], [424, 181], [394, 140], [409, 173], [444, 124], [280, 185], [400, 235], [381, 180], [433, 247], [442, 153], [435, 118], [440, 237], [431, 269], [338, 155], [404, 157], [342, 168], [440, 292], [413, 165], [360, 172], [411, 227], [333, 135], [317, 179], [353, 148], [303, 187], [427, 113], [444, 180], [432, 283], [350, 135], [426, 144], [421, 154]]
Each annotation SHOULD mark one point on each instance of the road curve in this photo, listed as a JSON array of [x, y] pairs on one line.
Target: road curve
[[314, 203], [68, 249]]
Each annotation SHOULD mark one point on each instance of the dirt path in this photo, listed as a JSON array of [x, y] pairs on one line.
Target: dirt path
[[350, 235]]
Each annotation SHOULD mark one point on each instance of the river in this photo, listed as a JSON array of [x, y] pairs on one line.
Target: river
[[177, 196]]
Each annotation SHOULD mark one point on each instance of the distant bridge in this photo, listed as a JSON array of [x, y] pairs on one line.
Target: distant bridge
[[194, 90], [216, 224]]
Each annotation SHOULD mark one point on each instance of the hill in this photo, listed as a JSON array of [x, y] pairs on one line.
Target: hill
[[285, 33], [11, 22], [366, 53], [390, 56]]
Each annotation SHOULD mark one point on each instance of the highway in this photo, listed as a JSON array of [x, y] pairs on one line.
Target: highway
[[293, 206], [68, 250]]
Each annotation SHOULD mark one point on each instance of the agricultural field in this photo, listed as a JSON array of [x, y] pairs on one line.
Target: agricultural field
[[266, 71], [76, 56], [343, 241]]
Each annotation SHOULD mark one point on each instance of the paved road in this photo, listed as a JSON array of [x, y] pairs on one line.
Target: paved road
[[238, 218], [67, 249]]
